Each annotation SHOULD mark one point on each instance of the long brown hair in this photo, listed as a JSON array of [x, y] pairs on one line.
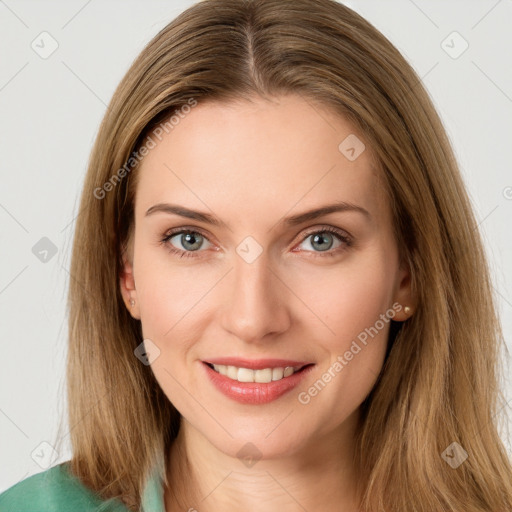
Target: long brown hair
[[440, 381]]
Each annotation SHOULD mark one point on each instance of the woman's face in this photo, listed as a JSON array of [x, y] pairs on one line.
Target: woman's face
[[255, 278]]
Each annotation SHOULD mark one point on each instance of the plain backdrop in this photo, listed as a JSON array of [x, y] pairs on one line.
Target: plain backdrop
[[50, 110]]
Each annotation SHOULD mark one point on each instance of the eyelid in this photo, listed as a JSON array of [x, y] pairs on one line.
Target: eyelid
[[190, 229], [330, 229]]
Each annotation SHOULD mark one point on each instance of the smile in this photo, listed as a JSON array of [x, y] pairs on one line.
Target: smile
[[255, 385], [264, 375]]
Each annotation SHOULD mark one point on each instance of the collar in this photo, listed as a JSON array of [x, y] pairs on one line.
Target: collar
[[152, 499]]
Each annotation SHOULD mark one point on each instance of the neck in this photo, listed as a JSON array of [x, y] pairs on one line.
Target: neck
[[319, 476]]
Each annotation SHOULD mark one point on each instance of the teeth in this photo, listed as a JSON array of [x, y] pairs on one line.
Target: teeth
[[247, 375]]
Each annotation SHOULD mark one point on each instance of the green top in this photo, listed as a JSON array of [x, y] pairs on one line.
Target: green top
[[57, 490]]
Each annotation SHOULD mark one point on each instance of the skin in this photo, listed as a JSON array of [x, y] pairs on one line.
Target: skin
[[250, 164]]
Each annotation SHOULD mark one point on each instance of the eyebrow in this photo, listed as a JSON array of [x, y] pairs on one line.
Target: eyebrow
[[294, 220]]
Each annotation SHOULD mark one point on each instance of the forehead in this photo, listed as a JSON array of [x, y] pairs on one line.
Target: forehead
[[249, 160]]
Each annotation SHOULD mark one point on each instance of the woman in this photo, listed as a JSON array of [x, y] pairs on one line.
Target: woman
[[279, 297]]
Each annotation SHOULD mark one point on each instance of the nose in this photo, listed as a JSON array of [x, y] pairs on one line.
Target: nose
[[256, 308]]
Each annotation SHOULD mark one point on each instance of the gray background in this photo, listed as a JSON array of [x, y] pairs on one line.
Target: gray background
[[50, 110]]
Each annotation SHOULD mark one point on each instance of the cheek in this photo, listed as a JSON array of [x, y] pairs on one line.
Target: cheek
[[347, 298], [355, 303], [173, 300], [171, 293]]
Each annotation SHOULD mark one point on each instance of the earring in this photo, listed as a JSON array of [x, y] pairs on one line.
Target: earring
[[132, 302], [407, 310]]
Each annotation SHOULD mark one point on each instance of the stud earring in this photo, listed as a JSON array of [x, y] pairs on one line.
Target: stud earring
[[407, 310], [132, 302]]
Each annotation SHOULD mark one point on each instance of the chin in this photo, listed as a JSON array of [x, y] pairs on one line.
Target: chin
[[252, 444]]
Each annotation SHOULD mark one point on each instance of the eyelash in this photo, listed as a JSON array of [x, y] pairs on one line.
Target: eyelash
[[341, 235]]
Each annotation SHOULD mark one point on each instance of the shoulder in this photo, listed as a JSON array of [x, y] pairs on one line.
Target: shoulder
[[54, 490]]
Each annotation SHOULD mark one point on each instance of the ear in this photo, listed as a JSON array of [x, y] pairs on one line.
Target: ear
[[404, 295], [127, 285]]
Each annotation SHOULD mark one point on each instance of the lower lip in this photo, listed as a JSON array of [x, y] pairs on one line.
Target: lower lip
[[255, 392]]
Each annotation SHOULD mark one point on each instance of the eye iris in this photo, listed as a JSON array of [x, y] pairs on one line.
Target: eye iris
[[320, 236], [191, 238]]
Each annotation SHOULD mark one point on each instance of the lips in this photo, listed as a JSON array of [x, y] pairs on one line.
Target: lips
[[255, 392]]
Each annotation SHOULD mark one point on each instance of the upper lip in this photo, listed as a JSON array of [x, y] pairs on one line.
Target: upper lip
[[256, 364]]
